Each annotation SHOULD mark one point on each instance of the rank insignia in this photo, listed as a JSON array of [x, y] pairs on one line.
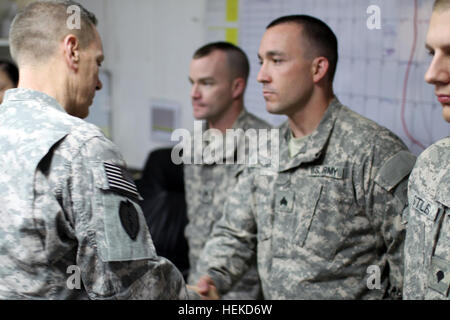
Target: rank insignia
[[284, 201]]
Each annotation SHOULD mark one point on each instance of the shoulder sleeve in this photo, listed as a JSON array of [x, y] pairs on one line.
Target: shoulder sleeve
[[116, 253], [228, 252], [386, 202]]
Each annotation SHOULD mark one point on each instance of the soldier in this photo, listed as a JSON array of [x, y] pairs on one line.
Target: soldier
[[327, 223], [218, 74], [70, 226], [427, 244]]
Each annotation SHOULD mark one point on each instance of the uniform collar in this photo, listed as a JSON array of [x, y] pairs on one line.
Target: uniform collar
[[314, 145], [22, 94], [239, 123], [240, 120]]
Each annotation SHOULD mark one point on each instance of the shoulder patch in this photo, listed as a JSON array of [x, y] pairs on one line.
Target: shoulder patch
[[120, 181], [129, 218], [395, 170]]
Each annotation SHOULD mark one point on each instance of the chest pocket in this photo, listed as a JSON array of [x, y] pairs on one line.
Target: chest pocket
[[432, 238], [439, 271], [321, 210], [125, 234], [321, 229]]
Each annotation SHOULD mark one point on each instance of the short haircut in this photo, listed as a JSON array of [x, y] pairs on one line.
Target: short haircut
[[11, 71], [37, 29], [236, 57], [318, 35], [441, 5]]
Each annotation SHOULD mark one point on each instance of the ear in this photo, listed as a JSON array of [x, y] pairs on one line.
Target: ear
[[71, 47], [320, 67], [238, 87]]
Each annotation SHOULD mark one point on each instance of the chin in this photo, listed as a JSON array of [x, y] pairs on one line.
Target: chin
[[273, 110], [199, 116], [446, 114]]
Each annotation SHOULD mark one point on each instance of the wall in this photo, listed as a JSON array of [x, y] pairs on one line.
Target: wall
[[148, 45]]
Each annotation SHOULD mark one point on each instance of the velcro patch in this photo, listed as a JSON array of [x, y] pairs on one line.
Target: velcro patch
[[327, 171], [439, 275], [119, 180], [395, 170]]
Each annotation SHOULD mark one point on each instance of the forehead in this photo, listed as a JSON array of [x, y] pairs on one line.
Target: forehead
[[281, 37], [439, 29], [96, 44], [213, 63]]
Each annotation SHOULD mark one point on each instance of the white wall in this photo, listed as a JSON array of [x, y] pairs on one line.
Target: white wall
[[148, 45]]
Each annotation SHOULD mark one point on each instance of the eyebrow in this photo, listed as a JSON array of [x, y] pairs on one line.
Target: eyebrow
[[202, 79], [430, 48], [272, 53]]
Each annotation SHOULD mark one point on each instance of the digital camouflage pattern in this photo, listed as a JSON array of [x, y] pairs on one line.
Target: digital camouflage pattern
[[427, 244], [322, 219], [57, 209], [207, 187]]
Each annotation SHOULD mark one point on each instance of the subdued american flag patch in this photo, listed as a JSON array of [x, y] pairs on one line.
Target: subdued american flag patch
[[119, 180]]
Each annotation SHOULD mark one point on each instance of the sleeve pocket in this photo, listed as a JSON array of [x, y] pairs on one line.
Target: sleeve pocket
[[115, 241]]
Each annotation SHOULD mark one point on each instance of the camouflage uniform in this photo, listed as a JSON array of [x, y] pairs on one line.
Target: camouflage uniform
[[427, 244], [206, 188], [323, 218], [65, 200]]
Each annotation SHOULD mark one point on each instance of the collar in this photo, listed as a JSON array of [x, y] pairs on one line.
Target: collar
[[239, 123], [313, 145], [22, 94]]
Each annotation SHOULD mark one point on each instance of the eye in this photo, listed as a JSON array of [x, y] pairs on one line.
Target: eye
[[207, 83], [277, 61]]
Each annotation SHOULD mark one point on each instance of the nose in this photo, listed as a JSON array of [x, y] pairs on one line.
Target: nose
[[99, 85], [195, 92], [437, 72], [263, 75]]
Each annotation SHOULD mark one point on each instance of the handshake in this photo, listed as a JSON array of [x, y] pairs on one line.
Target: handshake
[[205, 288]]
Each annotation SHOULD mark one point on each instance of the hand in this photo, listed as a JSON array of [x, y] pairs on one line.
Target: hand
[[206, 289]]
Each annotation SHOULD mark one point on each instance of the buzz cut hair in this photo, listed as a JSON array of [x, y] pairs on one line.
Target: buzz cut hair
[[236, 57], [37, 29], [441, 5], [318, 35]]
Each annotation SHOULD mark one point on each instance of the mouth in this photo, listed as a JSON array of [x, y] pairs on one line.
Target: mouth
[[268, 93], [198, 106], [443, 99]]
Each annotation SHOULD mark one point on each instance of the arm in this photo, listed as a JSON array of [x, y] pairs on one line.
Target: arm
[[386, 202], [226, 255], [115, 252]]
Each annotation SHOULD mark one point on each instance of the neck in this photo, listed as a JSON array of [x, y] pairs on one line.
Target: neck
[[45, 78], [307, 118], [226, 120]]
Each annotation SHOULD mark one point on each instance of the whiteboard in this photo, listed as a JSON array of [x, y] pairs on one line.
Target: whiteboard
[[380, 73]]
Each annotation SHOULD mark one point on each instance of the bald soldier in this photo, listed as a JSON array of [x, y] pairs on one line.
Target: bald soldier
[[70, 226], [325, 224], [427, 244]]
